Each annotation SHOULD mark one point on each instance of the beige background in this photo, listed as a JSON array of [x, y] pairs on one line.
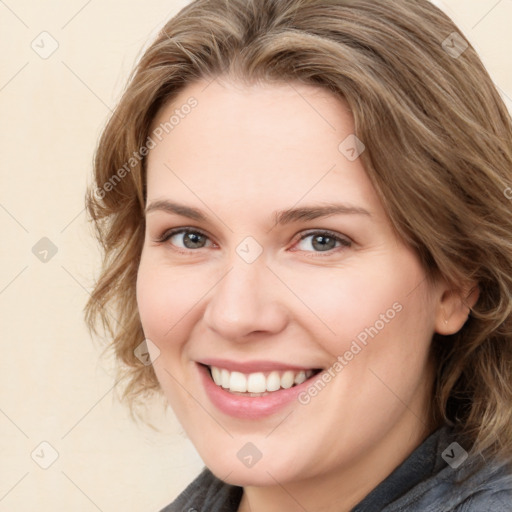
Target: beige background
[[53, 386]]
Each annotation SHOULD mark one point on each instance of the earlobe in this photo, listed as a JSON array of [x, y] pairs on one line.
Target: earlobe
[[454, 308]]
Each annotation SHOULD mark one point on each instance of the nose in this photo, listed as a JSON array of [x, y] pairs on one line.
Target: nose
[[246, 301]]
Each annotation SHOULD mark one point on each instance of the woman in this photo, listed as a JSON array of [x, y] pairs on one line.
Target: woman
[[303, 210]]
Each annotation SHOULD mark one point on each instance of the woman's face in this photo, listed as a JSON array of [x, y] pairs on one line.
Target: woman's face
[[268, 256]]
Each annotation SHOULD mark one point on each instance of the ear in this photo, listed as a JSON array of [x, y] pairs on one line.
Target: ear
[[454, 307]]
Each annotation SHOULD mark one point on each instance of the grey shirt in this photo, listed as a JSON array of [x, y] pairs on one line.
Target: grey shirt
[[432, 479]]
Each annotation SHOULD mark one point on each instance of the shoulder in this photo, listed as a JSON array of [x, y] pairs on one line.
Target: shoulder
[[473, 485], [489, 488], [489, 501], [207, 492]]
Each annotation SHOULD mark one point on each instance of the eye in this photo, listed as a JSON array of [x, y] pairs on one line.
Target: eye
[[317, 241], [185, 238], [322, 241]]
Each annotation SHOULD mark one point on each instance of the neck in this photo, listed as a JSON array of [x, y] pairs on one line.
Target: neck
[[343, 489]]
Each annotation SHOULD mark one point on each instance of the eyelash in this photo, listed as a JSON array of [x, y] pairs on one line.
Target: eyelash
[[344, 242]]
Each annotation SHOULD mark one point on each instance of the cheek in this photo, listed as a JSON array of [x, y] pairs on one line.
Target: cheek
[[379, 306], [340, 303], [166, 299], [168, 303]]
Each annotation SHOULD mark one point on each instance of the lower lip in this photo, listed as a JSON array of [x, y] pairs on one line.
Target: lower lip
[[248, 407]]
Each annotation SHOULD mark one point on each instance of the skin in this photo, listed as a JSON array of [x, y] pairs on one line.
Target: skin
[[242, 153]]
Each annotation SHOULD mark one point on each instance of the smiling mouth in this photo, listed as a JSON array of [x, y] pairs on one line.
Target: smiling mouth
[[258, 383]]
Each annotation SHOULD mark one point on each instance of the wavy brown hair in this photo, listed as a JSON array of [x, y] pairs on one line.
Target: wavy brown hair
[[438, 151]]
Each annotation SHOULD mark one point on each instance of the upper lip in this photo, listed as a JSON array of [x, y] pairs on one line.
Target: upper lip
[[253, 366]]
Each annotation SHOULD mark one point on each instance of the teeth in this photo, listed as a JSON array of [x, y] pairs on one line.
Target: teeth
[[237, 382], [273, 381], [258, 382], [287, 379], [300, 378], [216, 375], [224, 377]]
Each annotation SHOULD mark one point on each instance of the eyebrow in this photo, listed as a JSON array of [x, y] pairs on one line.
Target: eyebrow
[[178, 209], [315, 212], [281, 217]]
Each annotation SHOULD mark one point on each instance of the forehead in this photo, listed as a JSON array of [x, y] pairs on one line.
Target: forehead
[[239, 140]]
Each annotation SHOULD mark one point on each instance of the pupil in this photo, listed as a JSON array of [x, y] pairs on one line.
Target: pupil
[[324, 244]]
